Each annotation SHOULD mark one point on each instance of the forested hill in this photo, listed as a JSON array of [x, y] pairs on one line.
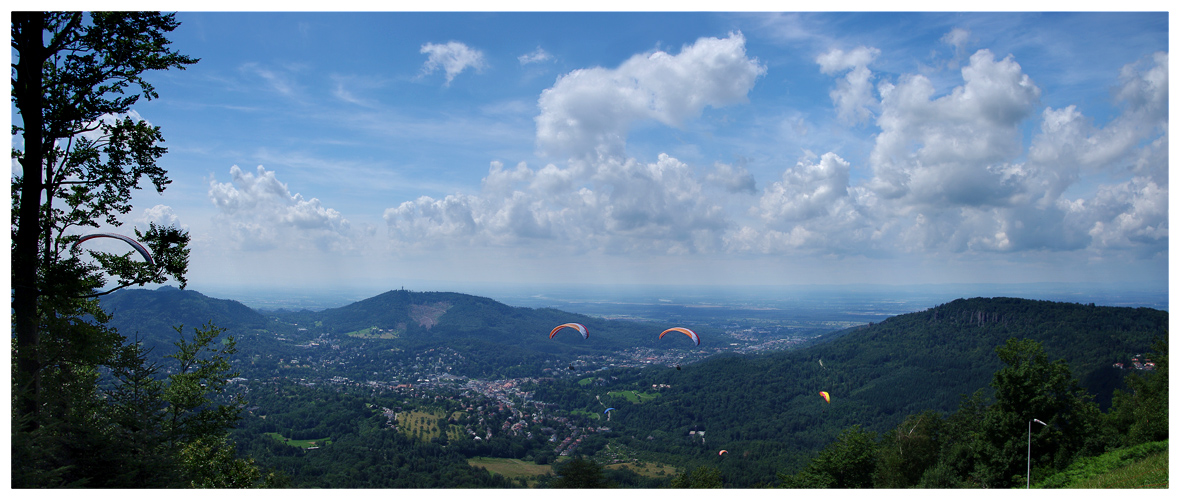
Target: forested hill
[[876, 374], [152, 314], [494, 338], [439, 317], [949, 342]]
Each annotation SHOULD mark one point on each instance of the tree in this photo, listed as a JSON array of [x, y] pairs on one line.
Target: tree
[[848, 462], [909, 451], [580, 473], [81, 155], [1141, 415], [82, 150], [700, 477], [987, 445]]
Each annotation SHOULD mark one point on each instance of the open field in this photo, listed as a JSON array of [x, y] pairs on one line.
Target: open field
[[424, 425], [511, 468], [648, 469], [300, 443], [634, 396], [375, 333]]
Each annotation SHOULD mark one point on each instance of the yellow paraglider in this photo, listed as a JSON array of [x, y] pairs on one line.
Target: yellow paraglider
[[826, 396]]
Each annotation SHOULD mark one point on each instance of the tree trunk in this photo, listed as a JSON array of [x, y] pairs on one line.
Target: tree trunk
[[28, 29]]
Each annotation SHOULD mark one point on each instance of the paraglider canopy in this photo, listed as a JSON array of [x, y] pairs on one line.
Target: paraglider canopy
[[576, 326], [722, 452], [130, 241], [608, 409], [696, 339], [826, 396]]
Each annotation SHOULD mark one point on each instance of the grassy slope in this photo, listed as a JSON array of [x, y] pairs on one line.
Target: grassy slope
[[1140, 466]]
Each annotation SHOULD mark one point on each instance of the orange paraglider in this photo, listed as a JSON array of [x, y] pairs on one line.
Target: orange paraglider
[[696, 339], [576, 326]]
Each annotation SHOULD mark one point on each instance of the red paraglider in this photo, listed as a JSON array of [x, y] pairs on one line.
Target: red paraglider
[[826, 396], [134, 244], [696, 339], [576, 326]]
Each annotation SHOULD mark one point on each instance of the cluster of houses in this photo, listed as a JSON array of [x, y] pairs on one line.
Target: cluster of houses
[[1146, 364]]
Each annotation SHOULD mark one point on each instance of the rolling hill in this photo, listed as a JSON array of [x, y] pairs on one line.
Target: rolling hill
[[876, 374]]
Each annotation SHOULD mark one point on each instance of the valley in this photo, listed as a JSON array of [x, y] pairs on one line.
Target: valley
[[468, 380]]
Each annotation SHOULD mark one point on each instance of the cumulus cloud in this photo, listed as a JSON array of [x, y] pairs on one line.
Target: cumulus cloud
[[259, 212], [812, 206], [1132, 214], [453, 57], [853, 95], [588, 112], [160, 215], [948, 172], [807, 191], [952, 149], [618, 206], [600, 200], [1122, 215], [734, 178]]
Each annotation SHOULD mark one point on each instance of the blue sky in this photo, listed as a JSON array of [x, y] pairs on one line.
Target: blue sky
[[372, 150]]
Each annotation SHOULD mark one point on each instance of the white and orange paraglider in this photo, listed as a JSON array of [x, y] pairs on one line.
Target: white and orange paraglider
[[696, 339], [580, 328], [130, 241]]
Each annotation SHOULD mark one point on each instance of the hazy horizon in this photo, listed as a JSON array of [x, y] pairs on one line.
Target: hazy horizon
[[584, 298]]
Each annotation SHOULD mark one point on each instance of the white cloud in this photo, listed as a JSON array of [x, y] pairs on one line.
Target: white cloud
[[536, 56], [853, 95], [814, 207], [948, 173], [734, 178], [259, 212], [588, 112], [807, 191], [956, 38], [106, 119], [160, 215], [615, 206], [453, 57], [601, 201], [1132, 214], [952, 150]]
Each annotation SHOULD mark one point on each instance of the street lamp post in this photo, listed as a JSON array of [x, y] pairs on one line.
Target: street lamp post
[[1028, 472]]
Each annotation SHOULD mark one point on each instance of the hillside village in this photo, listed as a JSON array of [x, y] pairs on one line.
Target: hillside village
[[491, 407]]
